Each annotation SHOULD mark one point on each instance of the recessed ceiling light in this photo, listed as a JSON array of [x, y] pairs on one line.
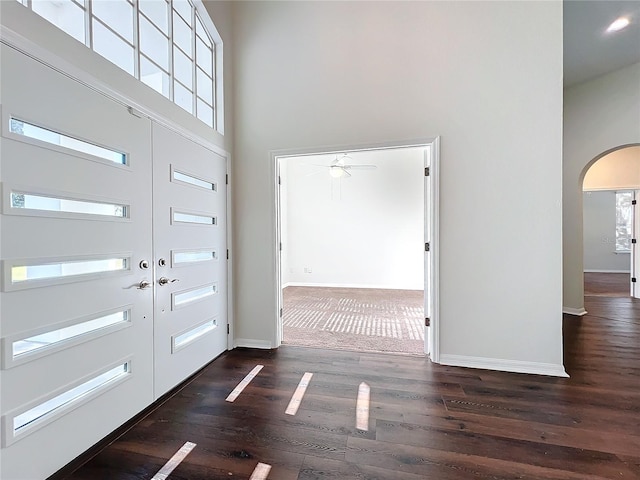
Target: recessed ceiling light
[[618, 25]]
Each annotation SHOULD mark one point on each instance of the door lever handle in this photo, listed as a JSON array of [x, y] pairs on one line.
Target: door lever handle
[[143, 285], [165, 280]]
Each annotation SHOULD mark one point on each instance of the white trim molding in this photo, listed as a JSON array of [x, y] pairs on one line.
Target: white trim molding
[[252, 343], [579, 312], [349, 285], [515, 366]]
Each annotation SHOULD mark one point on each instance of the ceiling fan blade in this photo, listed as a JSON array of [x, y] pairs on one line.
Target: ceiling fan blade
[[361, 167], [346, 174], [318, 165]]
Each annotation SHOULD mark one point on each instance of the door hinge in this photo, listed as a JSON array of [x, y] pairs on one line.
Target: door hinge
[[426, 171], [228, 329], [279, 180], [633, 240], [427, 247], [280, 246], [633, 279], [227, 254], [226, 179], [427, 322], [634, 202], [281, 311]]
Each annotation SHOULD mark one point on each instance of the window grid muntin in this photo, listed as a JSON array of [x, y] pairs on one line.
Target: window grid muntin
[[198, 30]]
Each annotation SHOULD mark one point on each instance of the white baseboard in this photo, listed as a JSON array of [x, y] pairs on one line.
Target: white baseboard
[[252, 343], [351, 285], [606, 271], [515, 366], [579, 312]]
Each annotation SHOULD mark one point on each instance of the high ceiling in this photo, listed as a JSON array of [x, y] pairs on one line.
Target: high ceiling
[[588, 50]]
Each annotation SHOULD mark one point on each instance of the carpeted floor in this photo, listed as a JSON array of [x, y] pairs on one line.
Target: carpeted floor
[[361, 319]]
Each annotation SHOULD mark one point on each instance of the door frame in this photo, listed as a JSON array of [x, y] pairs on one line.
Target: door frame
[[432, 212]]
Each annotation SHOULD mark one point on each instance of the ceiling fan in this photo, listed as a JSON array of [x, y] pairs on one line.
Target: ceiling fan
[[340, 166]]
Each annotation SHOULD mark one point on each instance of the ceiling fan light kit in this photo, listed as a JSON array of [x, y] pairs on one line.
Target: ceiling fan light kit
[[339, 167]]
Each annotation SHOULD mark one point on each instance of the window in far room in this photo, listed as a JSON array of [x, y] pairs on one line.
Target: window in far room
[[624, 221], [170, 45]]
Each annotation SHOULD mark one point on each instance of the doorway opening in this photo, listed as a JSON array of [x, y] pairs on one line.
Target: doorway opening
[[356, 248], [610, 217]]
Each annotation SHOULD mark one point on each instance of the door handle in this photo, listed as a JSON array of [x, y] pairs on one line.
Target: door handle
[[144, 285], [165, 280]]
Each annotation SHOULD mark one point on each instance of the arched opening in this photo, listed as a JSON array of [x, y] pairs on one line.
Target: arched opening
[[610, 184]]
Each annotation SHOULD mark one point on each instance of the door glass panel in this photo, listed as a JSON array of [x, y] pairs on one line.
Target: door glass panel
[[112, 47], [54, 204], [117, 14], [64, 14], [154, 76], [180, 299], [191, 218], [25, 273], [183, 177], [191, 335], [182, 96], [54, 337], [195, 256], [50, 406], [182, 35], [182, 67], [154, 44], [157, 11], [21, 127]]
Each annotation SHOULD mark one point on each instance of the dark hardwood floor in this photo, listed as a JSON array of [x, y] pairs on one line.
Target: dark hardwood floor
[[607, 284], [426, 421]]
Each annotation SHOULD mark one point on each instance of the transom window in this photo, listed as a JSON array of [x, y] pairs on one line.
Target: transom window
[[170, 45]]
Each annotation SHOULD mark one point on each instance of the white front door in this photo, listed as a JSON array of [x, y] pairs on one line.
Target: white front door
[[189, 188], [76, 327]]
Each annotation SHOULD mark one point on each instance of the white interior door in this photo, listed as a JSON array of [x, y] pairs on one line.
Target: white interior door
[[427, 251], [635, 257], [190, 257], [76, 331]]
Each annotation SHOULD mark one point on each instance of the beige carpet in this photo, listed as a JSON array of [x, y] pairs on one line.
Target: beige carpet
[[361, 319]]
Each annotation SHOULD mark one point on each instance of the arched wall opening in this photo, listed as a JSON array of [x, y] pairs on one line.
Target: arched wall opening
[[610, 183], [600, 117]]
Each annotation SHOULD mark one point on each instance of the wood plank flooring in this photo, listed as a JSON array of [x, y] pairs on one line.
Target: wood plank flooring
[[607, 284], [425, 421]]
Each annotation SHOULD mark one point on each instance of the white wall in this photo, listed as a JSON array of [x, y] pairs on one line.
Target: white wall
[[487, 78], [363, 231], [619, 170], [599, 115], [600, 234]]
